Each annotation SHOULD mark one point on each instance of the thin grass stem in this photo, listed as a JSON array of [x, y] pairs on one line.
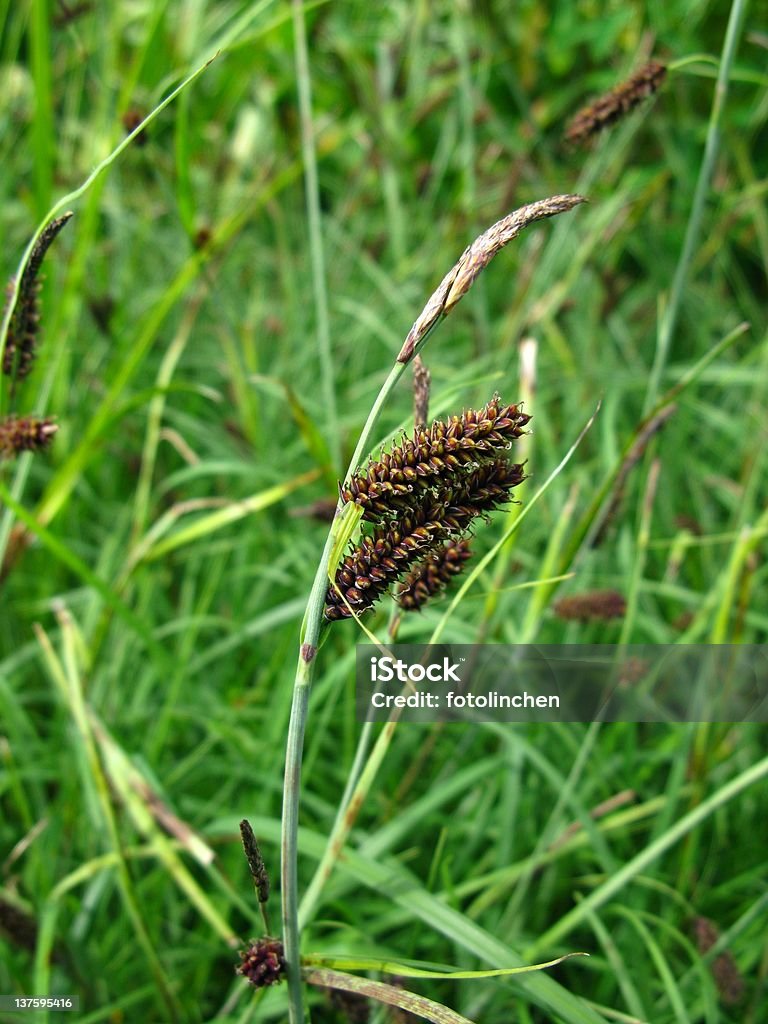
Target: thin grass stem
[[693, 230], [316, 250]]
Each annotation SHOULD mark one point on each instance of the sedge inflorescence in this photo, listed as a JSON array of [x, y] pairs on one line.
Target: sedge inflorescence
[[617, 103], [263, 963], [419, 500], [26, 433]]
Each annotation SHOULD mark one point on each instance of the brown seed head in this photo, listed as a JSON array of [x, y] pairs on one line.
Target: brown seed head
[[599, 604], [24, 326], [433, 575], [255, 861], [263, 963], [728, 978], [432, 455], [131, 120], [25, 434], [473, 260], [615, 104], [381, 558]]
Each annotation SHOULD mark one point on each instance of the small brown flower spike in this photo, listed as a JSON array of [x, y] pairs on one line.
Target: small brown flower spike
[[255, 860], [597, 604], [24, 326], [474, 260], [616, 104], [24, 434]]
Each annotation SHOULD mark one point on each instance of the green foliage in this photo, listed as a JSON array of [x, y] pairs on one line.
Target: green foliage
[[156, 559]]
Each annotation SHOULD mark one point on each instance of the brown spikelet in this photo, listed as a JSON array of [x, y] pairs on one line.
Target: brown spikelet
[[648, 430], [599, 604], [255, 860], [383, 557], [632, 670], [433, 575], [728, 979], [419, 463], [616, 103], [24, 434], [475, 259], [263, 963], [24, 326]]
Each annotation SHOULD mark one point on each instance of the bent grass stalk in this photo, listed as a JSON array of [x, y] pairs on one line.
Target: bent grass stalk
[[450, 291]]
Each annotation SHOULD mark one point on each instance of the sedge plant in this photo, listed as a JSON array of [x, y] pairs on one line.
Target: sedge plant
[[386, 555]]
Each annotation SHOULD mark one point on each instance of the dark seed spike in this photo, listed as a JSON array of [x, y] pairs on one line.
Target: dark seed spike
[[616, 104], [255, 861], [431, 455], [25, 434], [41, 247], [24, 326], [597, 604], [432, 575], [456, 472]]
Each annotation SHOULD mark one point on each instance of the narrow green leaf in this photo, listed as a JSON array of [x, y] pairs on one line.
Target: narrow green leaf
[[224, 516], [406, 968]]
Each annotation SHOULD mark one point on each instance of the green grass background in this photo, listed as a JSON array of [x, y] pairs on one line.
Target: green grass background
[[210, 352]]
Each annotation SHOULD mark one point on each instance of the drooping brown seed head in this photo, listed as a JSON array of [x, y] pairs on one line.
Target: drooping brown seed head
[[474, 260], [615, 104], [432, 455], [383, 557], [24, 325]]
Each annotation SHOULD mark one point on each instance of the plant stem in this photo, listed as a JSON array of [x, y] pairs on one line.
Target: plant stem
[[317, 254], [313, 622], [693, 230]]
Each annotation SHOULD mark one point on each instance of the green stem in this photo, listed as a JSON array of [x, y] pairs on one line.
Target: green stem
[[312, 188], [310, 639], [693, 230]]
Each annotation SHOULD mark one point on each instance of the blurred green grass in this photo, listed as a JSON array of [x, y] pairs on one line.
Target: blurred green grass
[[181, 360]]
